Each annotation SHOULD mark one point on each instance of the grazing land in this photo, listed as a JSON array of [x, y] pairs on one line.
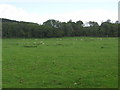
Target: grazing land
[[69, 62]]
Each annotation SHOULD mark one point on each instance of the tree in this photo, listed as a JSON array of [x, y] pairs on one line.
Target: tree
[[52, 23], [54, 28]]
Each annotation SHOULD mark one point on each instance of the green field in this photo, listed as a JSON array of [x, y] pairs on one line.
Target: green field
[[69, 62]]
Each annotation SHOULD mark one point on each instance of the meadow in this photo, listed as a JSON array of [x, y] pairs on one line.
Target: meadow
[[69, 62]]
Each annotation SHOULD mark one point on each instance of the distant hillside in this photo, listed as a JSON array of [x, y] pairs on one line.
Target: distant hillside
[[8, 20]]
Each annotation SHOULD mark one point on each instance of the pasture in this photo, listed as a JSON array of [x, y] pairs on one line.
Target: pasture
[[69, 62]]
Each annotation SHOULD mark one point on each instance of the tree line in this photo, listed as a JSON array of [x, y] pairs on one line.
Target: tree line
[[54, 28]]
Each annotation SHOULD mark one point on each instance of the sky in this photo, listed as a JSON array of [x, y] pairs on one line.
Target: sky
[[39, 11]]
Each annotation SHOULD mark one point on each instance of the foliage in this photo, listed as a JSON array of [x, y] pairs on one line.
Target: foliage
[[54, 28]]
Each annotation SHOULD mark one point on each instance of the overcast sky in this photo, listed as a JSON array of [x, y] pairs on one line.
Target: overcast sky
[[39, 11]]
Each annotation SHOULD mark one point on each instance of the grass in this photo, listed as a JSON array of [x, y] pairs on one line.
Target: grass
[[70, 62]]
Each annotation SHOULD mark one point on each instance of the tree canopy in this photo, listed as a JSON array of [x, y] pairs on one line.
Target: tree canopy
[[55, 28]]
